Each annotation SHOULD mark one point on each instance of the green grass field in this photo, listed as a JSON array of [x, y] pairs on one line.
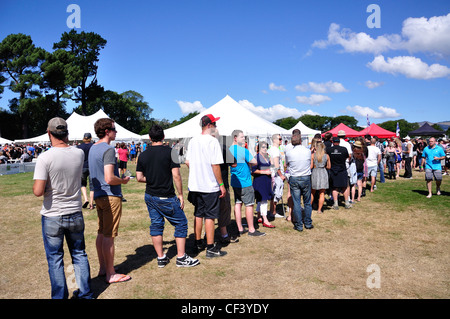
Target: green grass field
[[396, 228]]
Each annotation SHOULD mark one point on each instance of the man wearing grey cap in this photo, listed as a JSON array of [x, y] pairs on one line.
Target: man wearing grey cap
[[57, 178]]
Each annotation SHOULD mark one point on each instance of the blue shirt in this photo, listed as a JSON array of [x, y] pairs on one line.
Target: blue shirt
[[430, 153], [240, 175]]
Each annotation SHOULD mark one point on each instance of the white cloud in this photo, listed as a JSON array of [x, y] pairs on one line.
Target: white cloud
[[274, 87], [274, 112], [383, 112], [427, 35], [334, 87], [373, 85], [189, 107], [409, 66], [313, 99], [357, 42], [418, 35]]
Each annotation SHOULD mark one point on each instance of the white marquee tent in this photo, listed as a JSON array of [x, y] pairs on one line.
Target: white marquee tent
[[78, 125], [232, 116], [305, 131], [4, 141]]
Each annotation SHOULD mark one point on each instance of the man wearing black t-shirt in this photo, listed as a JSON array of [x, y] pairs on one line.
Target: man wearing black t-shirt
[[159, 171], [338, 172]]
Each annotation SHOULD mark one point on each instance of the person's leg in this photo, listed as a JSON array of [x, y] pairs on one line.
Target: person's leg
[[111, 207], [305, 186], [321, 200], [84, 194], [76, 245], [263, 210], [297, 209], [381, 169], [238, 216], [429, 188], [249, 217], [53, 237], [209, 230]]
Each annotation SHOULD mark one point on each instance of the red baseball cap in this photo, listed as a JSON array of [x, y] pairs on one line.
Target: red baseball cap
[[208, 119]]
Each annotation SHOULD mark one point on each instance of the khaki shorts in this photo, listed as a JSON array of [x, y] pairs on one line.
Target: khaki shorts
[[109, 212]]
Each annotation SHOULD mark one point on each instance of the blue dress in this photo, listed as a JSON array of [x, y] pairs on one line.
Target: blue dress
[[262, 184]]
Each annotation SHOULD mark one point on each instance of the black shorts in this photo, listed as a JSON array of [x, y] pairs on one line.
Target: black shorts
[[122, 165], [206, 205], [85, 178]]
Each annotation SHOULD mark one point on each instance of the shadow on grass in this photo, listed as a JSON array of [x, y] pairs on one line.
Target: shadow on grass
[[425, 192], [142, 256]]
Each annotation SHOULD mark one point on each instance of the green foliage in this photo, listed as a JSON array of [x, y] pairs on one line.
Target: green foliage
[[404, 126], [85, 48]]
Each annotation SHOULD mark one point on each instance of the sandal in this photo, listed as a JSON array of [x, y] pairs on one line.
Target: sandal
[[268, 225], [121, 278]]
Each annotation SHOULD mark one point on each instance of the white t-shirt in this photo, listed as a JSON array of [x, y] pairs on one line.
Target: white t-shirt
[[372, 158], [61, 167], [347, 145], [298, 159], [203, 151]]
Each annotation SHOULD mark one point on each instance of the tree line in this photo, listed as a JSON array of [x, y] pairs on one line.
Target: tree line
[[44, 82], [326, 123]]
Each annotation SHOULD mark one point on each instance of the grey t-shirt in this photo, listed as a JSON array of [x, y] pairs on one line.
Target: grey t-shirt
[[61, 167], [100, 155]]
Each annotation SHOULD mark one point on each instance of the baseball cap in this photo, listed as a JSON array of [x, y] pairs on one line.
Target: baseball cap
[[87, 135], [336, 139], [57, 126], [208, 119]]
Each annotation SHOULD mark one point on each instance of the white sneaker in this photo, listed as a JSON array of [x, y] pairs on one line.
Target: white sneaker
[[187, 261]]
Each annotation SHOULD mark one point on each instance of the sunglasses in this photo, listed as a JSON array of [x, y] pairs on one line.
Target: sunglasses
[[112, 129]]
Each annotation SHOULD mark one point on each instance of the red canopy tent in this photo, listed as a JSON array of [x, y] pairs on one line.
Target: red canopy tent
[[375, 130], [348, 131]]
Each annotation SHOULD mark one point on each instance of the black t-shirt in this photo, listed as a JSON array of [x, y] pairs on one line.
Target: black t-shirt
[[338, 154], [85, 147], [156, 164]]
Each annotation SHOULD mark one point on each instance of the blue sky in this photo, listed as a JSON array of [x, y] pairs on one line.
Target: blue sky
[[277, 58]]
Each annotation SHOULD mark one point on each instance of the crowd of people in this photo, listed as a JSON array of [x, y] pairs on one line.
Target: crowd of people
[[20, 153], [330, 166]]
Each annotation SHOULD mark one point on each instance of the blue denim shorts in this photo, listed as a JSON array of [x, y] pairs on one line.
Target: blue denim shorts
[[372, 171], [159, 209]]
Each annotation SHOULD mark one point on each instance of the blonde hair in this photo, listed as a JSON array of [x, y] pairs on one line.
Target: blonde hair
[[320, 151]]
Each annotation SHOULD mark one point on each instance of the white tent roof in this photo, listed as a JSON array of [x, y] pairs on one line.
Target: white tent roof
[[304, 129], [78, 125], [232, 116], [3, 141]]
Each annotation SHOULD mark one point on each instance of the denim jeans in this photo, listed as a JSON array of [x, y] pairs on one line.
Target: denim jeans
[[301, 186], [54, 230], [381, 169], [169, 208]]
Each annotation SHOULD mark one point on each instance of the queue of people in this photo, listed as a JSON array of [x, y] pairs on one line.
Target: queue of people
[[330, 166]]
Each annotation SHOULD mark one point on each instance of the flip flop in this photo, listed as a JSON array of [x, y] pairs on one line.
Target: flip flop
[[122, 278], [85, 204]]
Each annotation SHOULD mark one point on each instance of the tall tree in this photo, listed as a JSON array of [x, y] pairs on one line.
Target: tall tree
[[20, 62], [60, 75], [85, 46]]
